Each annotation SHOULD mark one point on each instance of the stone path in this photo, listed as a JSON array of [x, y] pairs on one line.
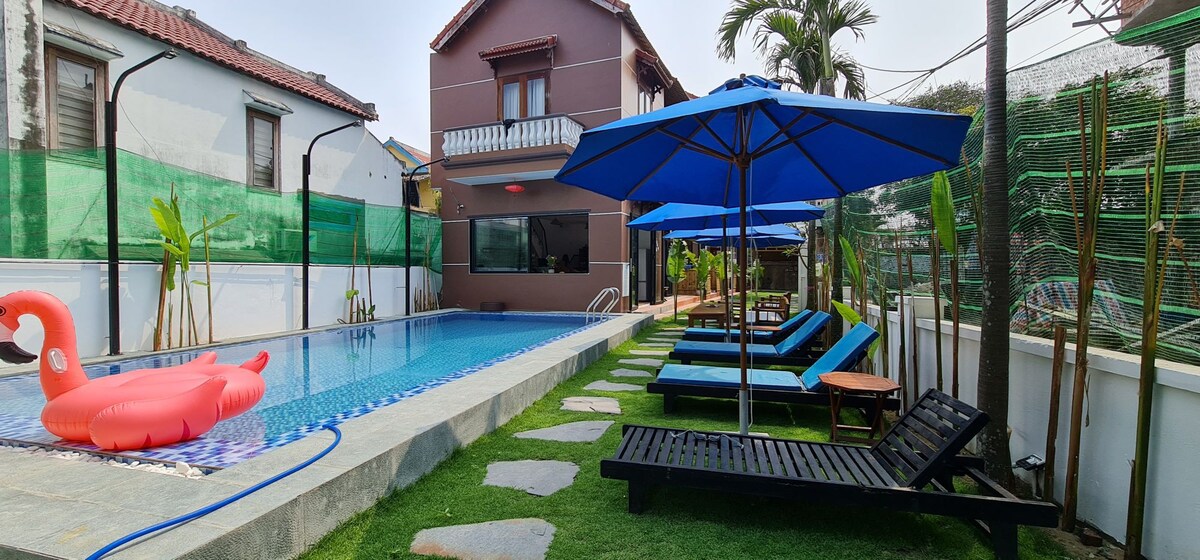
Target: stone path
[[623, 372], [570, 432], [511, 539], [610, 386], [657, 344], [641, 362], [606, 405], [649, 352], [659, 339], [540, 478]]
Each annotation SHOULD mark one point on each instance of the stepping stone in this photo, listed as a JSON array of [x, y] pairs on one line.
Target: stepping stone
[[606, 405], [641, 362], [540, 478], [570, 432], [669, 334], [623, 372], [668, 340], [511, 539], [657, 344], [609, 386], [649, 352]]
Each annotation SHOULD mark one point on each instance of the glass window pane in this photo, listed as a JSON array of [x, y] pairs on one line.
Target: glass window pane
[[512, 100], [263, 152], [500, 245], [537, 96], [559, 243], [75, 99]]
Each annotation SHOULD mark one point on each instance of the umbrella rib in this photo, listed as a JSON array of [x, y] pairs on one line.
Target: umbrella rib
[[792, 140], [780, 130], [712, 132], [619, 146], [693, 145], [821, 170], [885, 139], [685, 142]]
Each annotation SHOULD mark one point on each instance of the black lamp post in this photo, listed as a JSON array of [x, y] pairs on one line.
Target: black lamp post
[[110, 184], [305, 215], [409, 187]]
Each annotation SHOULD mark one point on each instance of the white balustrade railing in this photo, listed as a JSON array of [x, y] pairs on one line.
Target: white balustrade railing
[[527, 133]]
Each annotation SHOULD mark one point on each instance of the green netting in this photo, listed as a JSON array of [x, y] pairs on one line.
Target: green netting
[[52, 206], [1159, 74]]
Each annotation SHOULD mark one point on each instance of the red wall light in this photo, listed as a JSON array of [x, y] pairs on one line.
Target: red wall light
[[514, 189]]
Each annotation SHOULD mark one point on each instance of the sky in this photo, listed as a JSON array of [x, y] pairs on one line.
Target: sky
[[378, 50]]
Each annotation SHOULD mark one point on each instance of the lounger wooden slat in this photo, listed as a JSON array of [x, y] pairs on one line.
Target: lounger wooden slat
[[893, 474], [802, 468]]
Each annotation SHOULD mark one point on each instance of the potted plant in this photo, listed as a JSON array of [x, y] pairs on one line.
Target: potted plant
[[550, 262]]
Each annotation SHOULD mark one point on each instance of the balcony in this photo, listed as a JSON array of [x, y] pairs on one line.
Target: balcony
[[524, 150]]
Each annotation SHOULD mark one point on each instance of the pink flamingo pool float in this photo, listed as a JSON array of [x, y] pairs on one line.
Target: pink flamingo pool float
[[132, 410]]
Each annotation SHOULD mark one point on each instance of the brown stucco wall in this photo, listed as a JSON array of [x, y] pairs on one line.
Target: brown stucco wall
[[591, 79]]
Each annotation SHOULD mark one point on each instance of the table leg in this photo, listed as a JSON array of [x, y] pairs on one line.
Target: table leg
[[877, 421], [835, 409]]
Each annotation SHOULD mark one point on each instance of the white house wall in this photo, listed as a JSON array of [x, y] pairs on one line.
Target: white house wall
[[1173, 497]]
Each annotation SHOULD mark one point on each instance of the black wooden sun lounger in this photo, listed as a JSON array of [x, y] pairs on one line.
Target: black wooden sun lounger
[[910, 469]]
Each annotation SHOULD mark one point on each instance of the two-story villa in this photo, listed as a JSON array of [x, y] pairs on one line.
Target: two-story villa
[[513, 83]]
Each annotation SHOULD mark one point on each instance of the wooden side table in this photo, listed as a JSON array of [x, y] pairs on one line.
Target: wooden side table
[[840, 383]]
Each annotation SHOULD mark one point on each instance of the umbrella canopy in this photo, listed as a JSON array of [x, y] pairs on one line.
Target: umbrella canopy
[[753, 231], [794, 146], [756, 242], [748, 142], [676, 216]]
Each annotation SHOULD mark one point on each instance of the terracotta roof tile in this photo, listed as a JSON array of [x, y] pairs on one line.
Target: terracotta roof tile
[[519, 47], [188, 34]]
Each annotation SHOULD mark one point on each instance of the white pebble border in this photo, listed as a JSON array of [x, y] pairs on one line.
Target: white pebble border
[[181, 469]]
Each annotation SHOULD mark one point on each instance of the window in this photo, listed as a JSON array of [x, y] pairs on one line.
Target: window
[[262, 150], [76, 89], [537, 244], [522, 96], [645, 101]]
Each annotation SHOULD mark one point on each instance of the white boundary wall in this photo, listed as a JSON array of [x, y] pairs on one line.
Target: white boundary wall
[[248, 299], [1173, 493]]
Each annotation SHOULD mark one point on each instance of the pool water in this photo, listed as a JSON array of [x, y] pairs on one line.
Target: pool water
[[319, 378]]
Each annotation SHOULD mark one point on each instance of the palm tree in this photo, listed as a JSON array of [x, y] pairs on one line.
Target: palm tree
[[796, 61], [799, 24], [994, 252]]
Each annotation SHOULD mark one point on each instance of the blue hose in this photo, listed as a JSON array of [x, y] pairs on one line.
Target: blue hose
[[218, 505]]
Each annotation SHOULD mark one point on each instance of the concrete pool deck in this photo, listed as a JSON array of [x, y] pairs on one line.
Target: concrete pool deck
[[68, 509]]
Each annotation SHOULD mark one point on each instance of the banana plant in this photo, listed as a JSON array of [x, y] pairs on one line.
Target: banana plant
[[676, 265], [704, 267], [177, 244]]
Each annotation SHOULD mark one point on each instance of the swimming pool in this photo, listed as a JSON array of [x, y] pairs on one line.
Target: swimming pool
[[319, 378]]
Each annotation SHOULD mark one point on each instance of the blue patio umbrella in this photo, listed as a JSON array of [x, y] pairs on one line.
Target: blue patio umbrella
[[759, 242], [752, 231], [748, 142], [677, 216]]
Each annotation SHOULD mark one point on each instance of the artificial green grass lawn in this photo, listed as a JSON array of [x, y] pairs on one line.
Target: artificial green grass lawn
[[590, 516]]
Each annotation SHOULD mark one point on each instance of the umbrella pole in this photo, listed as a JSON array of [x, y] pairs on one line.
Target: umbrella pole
[[744, 391], [725, 264]]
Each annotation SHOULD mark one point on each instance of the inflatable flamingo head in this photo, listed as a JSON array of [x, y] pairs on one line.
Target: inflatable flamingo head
[[11, 308]]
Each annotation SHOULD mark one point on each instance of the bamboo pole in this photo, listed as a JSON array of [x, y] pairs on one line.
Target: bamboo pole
[[1056, 371], [916, 362], [353, 274], [162, 303], [902, 357], [884, 316], [208, 278], [1085, 208], [1154, 277], [935, 273]]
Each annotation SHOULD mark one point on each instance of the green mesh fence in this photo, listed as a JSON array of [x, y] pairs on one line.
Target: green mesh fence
[[52, 206], [1151, 73]]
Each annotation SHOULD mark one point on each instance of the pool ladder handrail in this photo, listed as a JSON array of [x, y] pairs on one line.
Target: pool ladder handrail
[[593, 308]]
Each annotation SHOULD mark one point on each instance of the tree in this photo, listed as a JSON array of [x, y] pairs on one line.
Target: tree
[[676, 264], [799, 24], [960, 97], [796, 61], [994, 253]]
